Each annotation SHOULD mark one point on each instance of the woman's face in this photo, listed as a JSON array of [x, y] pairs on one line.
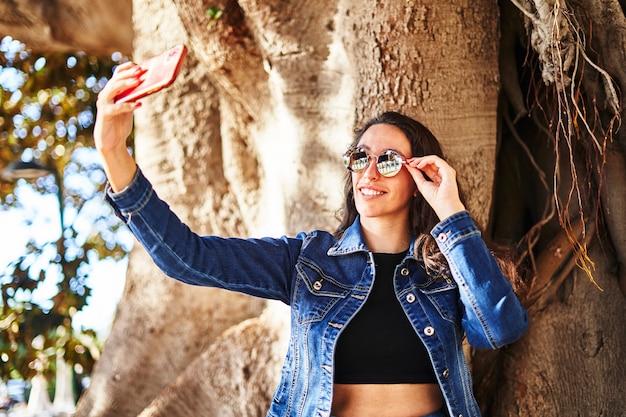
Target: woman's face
[[380, 197]]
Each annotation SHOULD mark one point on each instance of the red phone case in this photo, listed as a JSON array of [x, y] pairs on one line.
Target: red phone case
[[161, 71]]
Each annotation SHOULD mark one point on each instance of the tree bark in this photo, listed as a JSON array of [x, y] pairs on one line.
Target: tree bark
[[162, 326], [437, 62], [97, 27], [566, 364]]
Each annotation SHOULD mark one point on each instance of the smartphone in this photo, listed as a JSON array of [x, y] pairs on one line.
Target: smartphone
[[161, 71]]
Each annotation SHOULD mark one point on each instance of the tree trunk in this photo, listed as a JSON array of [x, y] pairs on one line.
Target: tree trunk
[[567, 363], [437, 62], [97, 27], [162, 326]]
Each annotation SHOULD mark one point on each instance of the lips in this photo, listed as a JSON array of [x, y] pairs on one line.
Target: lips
[[370, 192]]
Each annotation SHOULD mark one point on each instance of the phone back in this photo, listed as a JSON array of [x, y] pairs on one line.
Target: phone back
[[161, 71]]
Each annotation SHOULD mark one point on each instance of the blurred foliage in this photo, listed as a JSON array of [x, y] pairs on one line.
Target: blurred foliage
[[47, 110], [214, 13]]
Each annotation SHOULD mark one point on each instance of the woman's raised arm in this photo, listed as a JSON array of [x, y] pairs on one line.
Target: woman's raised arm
[[113, 125]]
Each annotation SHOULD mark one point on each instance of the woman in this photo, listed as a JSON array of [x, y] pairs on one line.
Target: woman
[[380, 308]]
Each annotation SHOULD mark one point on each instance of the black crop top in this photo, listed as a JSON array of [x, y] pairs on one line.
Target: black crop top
[[379, 344]]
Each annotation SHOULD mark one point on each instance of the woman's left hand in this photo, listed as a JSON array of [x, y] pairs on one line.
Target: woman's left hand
[[441, 191]]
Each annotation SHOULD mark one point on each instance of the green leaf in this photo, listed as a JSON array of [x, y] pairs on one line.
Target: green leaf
[[214, 13]]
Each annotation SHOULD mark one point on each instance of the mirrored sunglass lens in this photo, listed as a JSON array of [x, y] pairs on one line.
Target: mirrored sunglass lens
[[389, 164], [358, 161]]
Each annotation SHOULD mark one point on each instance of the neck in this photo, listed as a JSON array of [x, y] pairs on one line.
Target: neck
[[386, 237]]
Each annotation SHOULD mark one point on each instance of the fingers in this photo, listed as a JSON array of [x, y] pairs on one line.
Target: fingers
[[114, 120], [436, 181], [127, 75], [433, 167]]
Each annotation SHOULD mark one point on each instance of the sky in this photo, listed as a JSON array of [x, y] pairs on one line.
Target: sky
[[39, 218]]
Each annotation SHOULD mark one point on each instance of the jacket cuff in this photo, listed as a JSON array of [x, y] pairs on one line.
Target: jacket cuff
[[451, 229], [131, 198]]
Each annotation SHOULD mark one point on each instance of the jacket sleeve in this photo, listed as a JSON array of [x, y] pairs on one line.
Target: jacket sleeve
[[492, 314], [258, 267]]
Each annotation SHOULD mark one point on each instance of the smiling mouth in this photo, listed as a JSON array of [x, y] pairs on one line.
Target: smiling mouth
[[370, 192]]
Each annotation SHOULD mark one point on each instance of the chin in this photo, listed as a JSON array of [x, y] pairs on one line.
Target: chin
[[366, 210]]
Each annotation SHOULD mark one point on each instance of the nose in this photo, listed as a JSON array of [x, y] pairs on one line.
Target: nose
[[371, 170]]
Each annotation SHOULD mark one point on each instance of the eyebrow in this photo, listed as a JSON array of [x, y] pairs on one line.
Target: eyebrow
[[367, 148]]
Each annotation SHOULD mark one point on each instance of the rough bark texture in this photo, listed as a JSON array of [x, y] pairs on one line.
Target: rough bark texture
[[247, 141], [178, 147], [242, 367], [567, 363], [438, 63], [98, 27]]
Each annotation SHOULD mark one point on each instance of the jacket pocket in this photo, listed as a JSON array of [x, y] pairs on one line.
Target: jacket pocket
[[446, 301], [315, 293]]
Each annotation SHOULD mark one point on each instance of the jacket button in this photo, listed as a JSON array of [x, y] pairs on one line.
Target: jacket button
[[446, 373], [429, 331], [442, 237], [404, 272], [410, 298], [317, 285]]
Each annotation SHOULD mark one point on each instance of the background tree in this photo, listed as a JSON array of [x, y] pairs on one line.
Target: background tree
[[48, 104], [523, 93]]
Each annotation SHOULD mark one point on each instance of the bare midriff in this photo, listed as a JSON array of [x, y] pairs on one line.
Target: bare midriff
[[386, 400]]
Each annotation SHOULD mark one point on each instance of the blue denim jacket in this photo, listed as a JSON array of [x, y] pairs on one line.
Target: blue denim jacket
[[326, 280]]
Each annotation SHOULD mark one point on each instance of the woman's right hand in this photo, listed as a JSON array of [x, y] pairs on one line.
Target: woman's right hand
[[113, 125], [114, 121]]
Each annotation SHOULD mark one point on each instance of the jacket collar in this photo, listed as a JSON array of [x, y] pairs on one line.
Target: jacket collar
[[353, 241]]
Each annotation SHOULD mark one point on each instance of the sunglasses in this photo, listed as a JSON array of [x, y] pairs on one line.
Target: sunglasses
[[388, 163]]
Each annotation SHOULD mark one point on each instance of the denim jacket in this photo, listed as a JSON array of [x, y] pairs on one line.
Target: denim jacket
[[326, 280]]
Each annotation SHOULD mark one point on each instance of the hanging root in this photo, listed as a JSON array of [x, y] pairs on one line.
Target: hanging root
[[560, 45], [552, 39]]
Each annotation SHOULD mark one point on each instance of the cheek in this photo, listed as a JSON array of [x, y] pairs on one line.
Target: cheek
[[406, 184]]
